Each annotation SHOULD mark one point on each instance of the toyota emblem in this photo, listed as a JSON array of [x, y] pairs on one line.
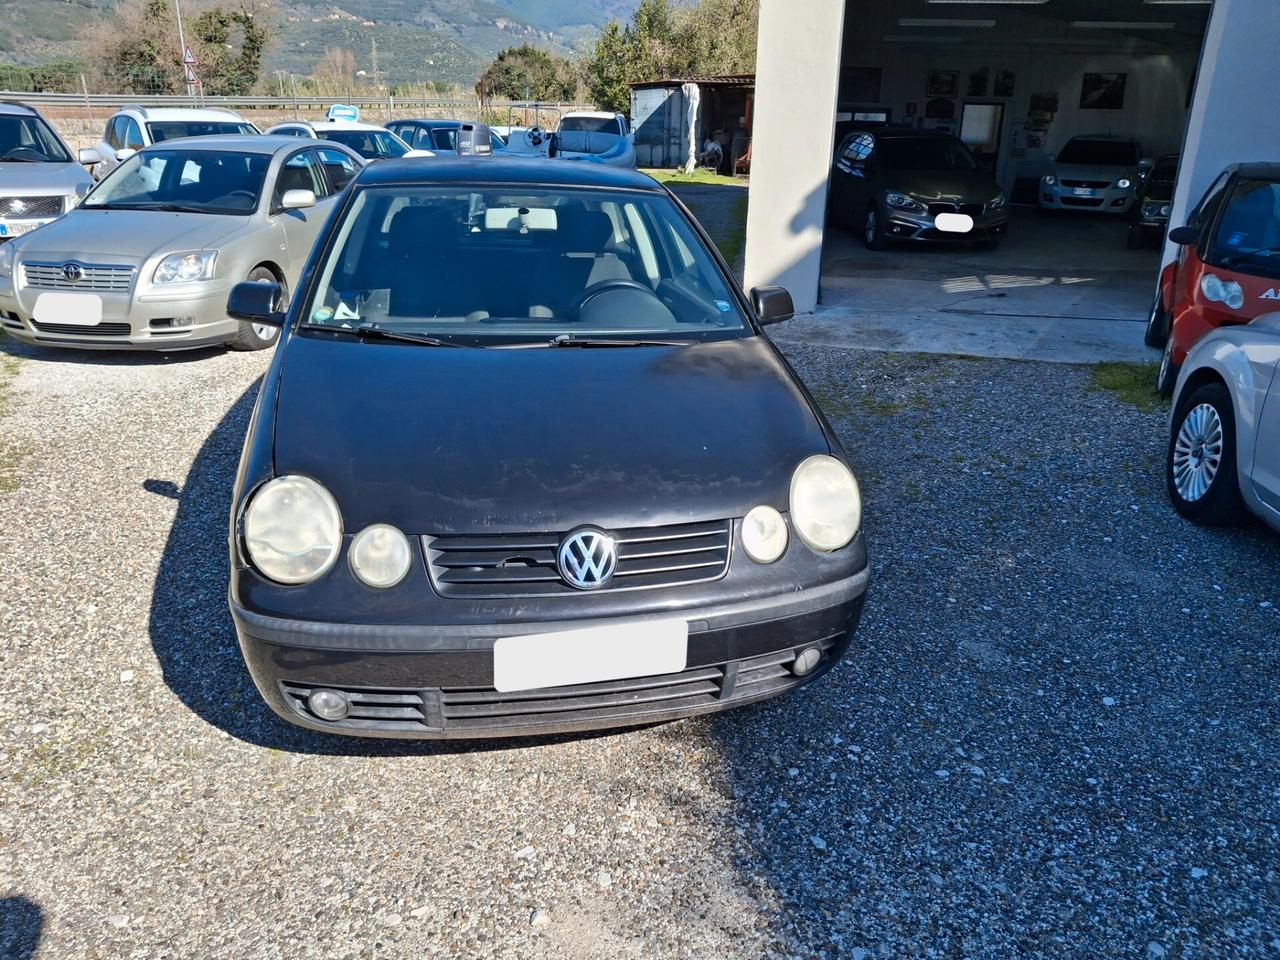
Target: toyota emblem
[[72, 272], [587, 558]]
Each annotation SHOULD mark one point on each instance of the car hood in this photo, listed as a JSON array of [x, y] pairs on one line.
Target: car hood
[[449, 441], [1094, 171], [129, 236], [42, 178], [965, 186]]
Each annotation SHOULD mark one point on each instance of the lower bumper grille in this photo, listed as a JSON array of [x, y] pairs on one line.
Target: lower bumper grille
[[98, 330], [479, 712], [1080, 202]]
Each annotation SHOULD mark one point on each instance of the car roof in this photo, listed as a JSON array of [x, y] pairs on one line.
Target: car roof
[[321, 125], [184, 113], [232, 143], [1259, 171], [13, 108], [597, 114], [433, 124], [496, 170]]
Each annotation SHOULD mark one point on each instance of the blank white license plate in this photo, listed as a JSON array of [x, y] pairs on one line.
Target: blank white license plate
[[636, 649], [73, 309], [953, 222], [16, 229], [1081, 192]]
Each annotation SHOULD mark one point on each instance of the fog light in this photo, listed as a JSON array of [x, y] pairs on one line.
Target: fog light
[[329, 704], [804, 662]]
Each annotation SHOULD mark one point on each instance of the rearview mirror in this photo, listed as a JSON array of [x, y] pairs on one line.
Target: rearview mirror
[[1185, 236], [297, 199], [89, 156], [772, 304], [257, 302], [125, 153]]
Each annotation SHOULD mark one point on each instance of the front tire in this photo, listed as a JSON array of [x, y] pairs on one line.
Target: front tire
[[1200, 466], [872, 230], [257, 336]]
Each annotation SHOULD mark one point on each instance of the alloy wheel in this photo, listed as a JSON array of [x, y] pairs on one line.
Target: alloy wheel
[[1197, 453]]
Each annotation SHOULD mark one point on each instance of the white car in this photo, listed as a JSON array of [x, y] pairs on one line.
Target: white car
[[132, 128], [1096, 172], [369, 140], [1224, 430]]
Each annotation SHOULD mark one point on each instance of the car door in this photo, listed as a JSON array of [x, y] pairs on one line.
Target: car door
[[1266, 462], [851, 185], [301, 170]]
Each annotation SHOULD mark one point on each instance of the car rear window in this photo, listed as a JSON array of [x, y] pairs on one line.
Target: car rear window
[[505, 265], [177, 129], [1102, 153], [370, 144]]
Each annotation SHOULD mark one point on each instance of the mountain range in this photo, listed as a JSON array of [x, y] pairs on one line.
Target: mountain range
[[416, 40]]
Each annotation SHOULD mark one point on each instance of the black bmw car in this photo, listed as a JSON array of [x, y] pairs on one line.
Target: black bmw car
[[525, 462]]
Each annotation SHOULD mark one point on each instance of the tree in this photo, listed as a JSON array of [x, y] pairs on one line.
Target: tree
[[228, 68], [526, 72], [608, 70], [337, 67]]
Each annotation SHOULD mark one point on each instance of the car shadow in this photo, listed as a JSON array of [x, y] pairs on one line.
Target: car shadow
[[21, 924], [192, 633]]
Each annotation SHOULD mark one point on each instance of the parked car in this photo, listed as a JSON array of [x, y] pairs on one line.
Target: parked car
[[369, 140], [1096, 172], [415, 555], [1224, 428], [441, 136], [1154, 201], [595, 137], [146, 261], [133, 128], [899, 183], [1228, 266], [39, 179]]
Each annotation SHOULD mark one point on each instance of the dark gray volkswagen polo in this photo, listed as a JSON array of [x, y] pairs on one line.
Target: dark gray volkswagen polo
[[525, 463]]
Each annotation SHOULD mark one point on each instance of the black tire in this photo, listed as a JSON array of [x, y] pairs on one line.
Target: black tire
[[1157, 332], [248, 338], [1218, 503], [873, 230], [1167, 378]]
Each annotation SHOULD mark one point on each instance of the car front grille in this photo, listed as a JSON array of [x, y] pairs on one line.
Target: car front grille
[[30, 208], [72, 329], [946, 206], [95, 277], [1091, 184], [1080, 202], [479, 712], [524, 565]]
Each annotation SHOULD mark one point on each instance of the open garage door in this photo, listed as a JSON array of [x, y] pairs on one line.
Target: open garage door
[[1091, 94]]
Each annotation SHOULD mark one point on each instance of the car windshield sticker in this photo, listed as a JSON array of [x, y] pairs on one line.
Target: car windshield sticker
[[723, 306], [1236, 238], [323, 315]]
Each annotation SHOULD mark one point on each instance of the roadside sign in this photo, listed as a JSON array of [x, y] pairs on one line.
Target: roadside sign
[[341, 111], [189, 58], [191, 76]]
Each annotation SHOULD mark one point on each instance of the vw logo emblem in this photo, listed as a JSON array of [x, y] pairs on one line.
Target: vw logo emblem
[[587, 558], [72, 272]]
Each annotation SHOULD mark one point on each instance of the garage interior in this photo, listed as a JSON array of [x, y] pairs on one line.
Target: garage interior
[[1015, 79]]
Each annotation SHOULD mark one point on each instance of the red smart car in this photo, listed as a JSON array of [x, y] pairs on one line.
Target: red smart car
[[1228, 270]]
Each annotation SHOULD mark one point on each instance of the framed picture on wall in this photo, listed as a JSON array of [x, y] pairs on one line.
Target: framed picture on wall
[[1004, 83], [1102, 91], [942, 83]]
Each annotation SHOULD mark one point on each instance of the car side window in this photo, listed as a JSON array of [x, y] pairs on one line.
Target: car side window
[[858, 148], [445, 139], [300, 172], [112, 134], [1209, 203], [132, 134], [339, 168]]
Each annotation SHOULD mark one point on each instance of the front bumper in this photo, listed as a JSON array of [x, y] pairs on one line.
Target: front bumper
[[12, 229], [436, 682], [904, 225], [185, 319], [1095, 199]]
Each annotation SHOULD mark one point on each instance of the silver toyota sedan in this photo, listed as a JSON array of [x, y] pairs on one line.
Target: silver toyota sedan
[[147, 260]]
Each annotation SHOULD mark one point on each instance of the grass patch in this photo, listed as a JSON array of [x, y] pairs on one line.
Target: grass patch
[[700, 175], [1134, 383], [10, 453]]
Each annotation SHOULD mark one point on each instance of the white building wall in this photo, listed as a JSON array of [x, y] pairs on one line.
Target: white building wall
[[797, 66]]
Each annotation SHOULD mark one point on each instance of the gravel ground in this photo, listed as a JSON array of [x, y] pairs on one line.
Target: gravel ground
[[1057, 739]]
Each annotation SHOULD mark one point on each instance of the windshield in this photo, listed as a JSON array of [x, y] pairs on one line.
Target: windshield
[[1249, 232], [194, 181], [904, 153], [177, 129], [1100, 153], [370, 144], [30, 139], [589, 125], [1165, 170], [484, 266]]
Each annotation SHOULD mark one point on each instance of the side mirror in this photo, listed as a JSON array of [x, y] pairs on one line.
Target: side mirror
[[1185, 236], [257, 302], [88, 156], [297, 199], [772, 304], [125, 153]]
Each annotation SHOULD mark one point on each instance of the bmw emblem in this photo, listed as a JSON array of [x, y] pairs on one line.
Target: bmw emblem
[[72, 272], [587, 558]]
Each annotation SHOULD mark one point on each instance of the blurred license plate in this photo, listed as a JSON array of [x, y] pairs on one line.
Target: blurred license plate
[[16, 229], [953, 222], [72, 309], [1081, 192], [540, 660]]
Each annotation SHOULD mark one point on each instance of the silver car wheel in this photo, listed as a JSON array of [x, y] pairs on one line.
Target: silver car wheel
[[1197, 453]]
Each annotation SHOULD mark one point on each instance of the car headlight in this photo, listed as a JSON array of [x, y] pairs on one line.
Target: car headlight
[[900, 201], [6, 259], [1124, 183], [292, 530], [380, 555], [764, 534], [186, 267], [826, 505], [1050, 179], [998, 202], [1227, 292]]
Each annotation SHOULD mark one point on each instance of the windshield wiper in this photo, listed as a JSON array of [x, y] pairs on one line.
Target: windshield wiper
[[17, 160], [565, 340], [373, 331], [1244, 255]]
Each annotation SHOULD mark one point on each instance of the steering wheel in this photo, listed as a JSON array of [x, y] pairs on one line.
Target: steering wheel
[[34, 154], [243, 193], [535, 135], [605, 286]]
